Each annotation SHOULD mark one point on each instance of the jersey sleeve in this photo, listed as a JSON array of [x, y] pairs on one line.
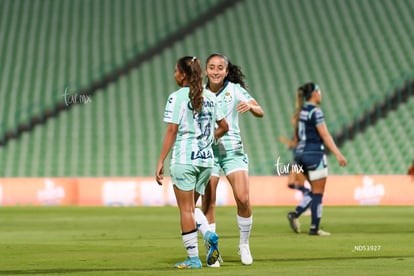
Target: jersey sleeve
[[242, 94], [171, 112], [317, 117]]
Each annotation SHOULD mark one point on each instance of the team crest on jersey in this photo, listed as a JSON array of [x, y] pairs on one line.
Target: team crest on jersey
[[227, 97]]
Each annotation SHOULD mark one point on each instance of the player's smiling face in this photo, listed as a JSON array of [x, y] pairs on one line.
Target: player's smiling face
[[216, 71]]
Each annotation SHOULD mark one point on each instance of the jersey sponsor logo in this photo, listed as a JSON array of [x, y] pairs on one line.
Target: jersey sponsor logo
[[201, 154], [206, 104]]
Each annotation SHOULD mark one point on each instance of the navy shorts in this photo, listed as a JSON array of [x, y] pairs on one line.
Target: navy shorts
[[314, 164]]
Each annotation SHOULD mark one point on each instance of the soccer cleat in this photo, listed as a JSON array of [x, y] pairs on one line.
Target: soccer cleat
[[245, 255], [294, 222], [190, 262], [213, 254], [319, 232], [217, 263]]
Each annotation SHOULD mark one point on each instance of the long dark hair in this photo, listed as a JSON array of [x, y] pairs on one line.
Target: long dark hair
[[192, 69], [307, 89], [303, 94], [298, 106], [235, 74]]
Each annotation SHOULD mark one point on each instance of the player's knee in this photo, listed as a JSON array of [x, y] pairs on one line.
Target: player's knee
[[243, 202]]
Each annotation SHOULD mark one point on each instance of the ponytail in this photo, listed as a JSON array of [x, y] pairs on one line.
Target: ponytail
[[235, 74], [192, 68], [300, 99], [303, 94], [196, 85]]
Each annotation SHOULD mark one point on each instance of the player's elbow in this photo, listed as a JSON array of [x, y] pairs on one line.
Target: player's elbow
[[225, 126], [258, 112]]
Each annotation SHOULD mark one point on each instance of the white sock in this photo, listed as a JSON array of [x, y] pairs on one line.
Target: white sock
[[212, 227], [245, 227], [191, 243], [201, 221]]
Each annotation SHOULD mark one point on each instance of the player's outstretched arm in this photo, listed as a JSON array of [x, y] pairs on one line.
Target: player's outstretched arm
[[251, 106]]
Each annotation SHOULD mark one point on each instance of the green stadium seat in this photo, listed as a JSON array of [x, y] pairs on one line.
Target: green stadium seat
[[74, 43]]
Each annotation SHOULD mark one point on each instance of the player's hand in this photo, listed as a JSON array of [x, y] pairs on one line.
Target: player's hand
[[341, 160], [283, 139], [243, 107], [159, 173]]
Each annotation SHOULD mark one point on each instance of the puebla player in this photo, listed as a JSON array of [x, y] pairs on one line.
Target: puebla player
[[312, 135]]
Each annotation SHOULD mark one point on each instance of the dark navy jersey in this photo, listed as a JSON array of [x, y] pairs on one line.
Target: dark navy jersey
[[309, 140]]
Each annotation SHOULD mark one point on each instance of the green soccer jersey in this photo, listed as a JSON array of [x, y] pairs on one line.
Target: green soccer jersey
[[228, 99], [195, 130]]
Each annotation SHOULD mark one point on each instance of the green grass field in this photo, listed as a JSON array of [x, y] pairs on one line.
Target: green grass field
[[146, 241]]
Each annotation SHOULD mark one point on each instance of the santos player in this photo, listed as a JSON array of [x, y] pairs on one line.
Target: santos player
[[191, 113], [225, 80]]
